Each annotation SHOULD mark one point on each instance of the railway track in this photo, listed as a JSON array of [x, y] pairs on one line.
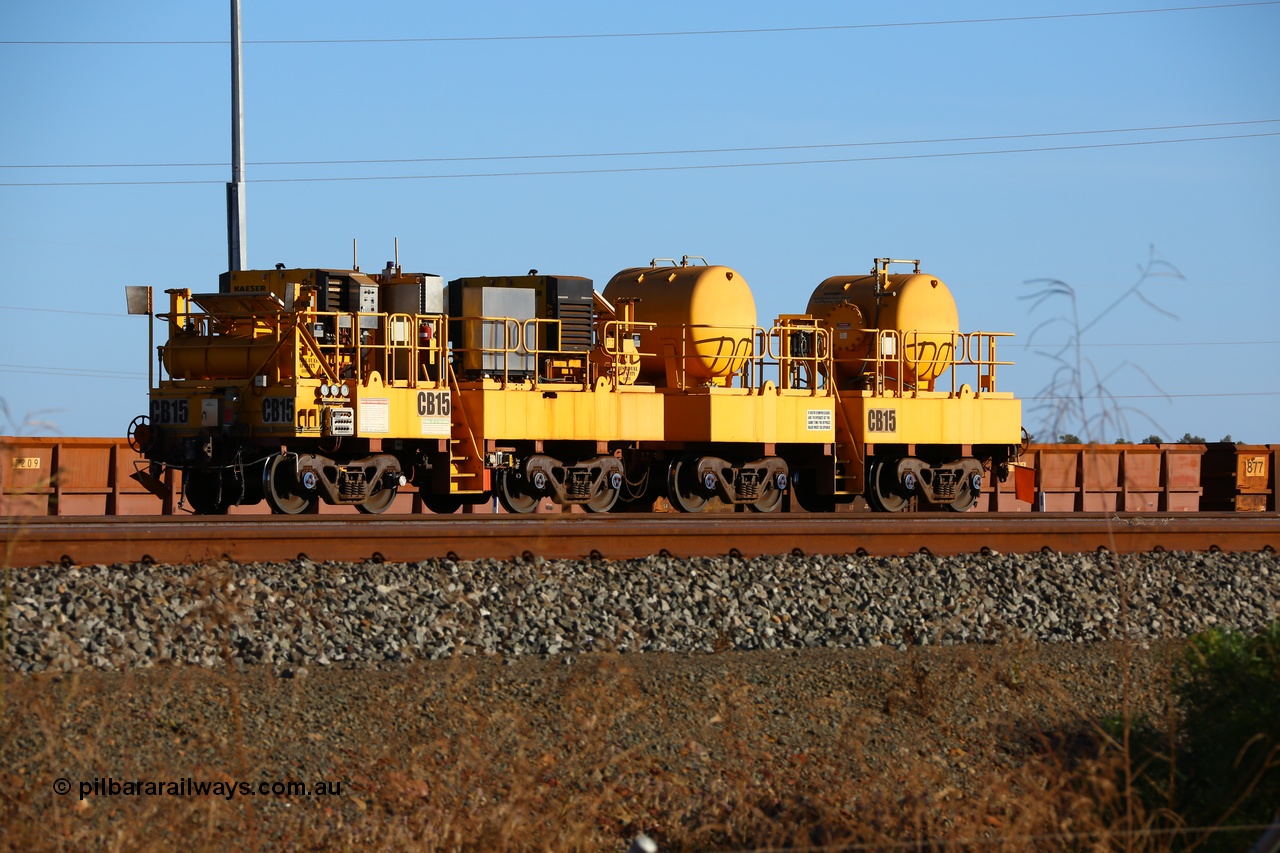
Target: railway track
[[169, 539]]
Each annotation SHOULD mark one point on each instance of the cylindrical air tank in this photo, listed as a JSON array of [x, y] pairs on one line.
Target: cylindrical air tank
[[705, 316], [206, 357], [917, 306]]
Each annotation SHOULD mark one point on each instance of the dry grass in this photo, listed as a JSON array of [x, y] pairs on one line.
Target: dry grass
[[948, 749]]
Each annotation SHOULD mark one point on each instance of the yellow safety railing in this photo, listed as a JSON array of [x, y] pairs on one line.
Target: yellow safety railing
[[405, 349], [620, 360], [917, 360], [802, 357]]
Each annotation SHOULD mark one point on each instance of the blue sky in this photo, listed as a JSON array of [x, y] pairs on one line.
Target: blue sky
[[914, 99]]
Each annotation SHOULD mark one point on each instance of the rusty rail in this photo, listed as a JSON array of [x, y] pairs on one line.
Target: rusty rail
[[167, 539]]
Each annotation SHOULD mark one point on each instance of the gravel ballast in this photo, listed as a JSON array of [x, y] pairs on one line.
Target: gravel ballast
[[299, 615]]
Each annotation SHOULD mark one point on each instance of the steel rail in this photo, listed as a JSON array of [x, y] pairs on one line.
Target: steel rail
[[168, 539]]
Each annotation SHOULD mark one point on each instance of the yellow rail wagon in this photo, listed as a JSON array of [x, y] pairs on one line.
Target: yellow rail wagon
[[298, 385], [744, 404], [913, 426], [301, 386]]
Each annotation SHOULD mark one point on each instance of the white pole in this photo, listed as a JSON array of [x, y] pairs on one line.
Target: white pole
[[236, 251]]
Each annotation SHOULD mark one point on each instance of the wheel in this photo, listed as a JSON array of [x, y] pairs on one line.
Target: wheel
[[683, 489], [513, 496], [280, 486], [882, 488], [204, 492], [770, 501], [378, 502], [967, 495], [606, 495], [243, 484], [141, 435]]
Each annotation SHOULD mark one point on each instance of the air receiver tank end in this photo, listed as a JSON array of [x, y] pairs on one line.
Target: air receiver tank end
[[705, 312]]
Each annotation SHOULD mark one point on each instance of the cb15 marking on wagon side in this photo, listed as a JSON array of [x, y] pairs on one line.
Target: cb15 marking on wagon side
[[882, 420]]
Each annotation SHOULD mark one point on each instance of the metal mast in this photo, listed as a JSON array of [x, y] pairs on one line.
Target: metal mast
[[236, 252]]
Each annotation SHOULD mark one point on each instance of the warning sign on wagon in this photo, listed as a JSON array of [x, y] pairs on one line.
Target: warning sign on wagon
[[375, 415], [819, 420]]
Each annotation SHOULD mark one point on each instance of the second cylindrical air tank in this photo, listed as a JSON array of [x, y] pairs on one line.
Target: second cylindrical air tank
[[917, 308]]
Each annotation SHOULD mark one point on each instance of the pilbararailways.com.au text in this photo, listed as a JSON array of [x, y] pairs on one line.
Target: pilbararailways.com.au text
[[189, 787]]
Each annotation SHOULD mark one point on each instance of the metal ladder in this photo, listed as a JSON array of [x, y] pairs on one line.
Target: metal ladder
[[466, 472]]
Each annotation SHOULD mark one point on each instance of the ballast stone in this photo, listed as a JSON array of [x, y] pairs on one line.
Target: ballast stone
[[303, 613]]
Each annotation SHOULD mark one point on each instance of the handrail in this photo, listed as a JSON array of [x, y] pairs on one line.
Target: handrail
[[619, 329], [612, 334], [893, 363], [818, 363], [894, 355], [506, 350], [753, 351]]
